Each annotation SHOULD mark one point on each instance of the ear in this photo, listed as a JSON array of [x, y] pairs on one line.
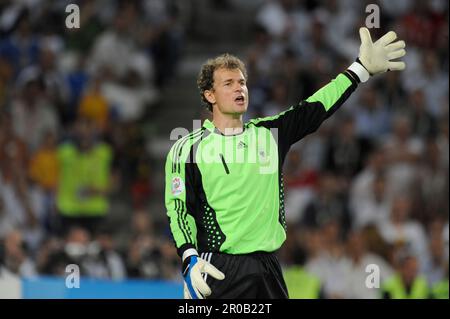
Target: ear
[[209, 96]]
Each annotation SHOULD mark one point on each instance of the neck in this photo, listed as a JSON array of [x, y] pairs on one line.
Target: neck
[[228, 124]]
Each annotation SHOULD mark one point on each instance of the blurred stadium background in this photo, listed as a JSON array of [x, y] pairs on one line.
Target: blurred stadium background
[[86, 116]]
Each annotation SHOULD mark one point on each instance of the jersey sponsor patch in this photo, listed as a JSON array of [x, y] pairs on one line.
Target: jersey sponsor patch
[[177, 186]]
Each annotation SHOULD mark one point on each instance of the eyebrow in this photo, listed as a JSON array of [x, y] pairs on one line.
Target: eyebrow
[[230, 80]]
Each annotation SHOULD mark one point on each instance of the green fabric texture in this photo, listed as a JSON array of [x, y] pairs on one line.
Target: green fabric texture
[[246, 199], [332, 92], [182, 223], [81, 170], [396, 289], [248, 226], [440, 289], [301, 284]]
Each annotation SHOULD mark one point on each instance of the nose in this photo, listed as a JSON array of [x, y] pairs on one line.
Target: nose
[[238, 87]]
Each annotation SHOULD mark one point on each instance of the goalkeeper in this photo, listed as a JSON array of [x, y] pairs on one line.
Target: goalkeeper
[[224, 181]]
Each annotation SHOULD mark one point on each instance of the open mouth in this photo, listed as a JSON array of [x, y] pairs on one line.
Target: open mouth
[[240, 99]]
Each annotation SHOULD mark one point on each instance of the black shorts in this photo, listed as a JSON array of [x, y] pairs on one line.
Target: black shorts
[[251, 276]]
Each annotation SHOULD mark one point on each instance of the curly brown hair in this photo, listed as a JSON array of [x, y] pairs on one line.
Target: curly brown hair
[[205, 79]]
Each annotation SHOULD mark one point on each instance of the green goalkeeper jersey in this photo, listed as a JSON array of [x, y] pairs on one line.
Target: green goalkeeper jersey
[[224, 193]]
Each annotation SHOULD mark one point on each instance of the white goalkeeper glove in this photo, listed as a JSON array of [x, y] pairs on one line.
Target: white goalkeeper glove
[[195, 286], [376, 57]]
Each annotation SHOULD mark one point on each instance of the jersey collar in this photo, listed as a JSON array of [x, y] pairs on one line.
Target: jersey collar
[[210, 127]]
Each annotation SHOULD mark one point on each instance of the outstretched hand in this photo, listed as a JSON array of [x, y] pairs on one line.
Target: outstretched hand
[[377, 56]]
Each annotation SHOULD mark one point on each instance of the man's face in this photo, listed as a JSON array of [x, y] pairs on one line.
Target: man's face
[[229, 92]]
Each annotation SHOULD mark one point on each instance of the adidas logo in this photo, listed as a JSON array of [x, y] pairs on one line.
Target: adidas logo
[[241, 145]]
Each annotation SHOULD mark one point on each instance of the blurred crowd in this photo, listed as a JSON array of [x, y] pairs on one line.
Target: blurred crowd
[[74, 105], [369, 187]]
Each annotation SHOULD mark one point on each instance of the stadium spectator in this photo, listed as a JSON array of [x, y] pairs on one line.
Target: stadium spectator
[[132, 97], [81, 40], [346, 152], [421, 24], [22, 202], [330, 205], [445, 238], [77, 79], [442, 142], [313, 149], [301, 284], [116, 49], [373, 209], [278, 99], [318, 54], [143, 253], [6, 224], [376, 164], [107, 262], [400, 229], [432, 80], [357, 264], [440, 289], [169, 261], [406, 283], [21, 45], [95, 257], [56, 88], [276, 17], [423, 123], [16, 258], [403, 153], [301, 182], [43, 166], [49, 259], [372, 119], [85, 178], [5, 78], [437, 267], [143, 258], [76, 249], [326, 259], [94, 106], [163, 38], [341, 18], [33, 114], [261, 57], [376, 244], [141, 187], [394, 93], [432, 183], [43, 171]]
